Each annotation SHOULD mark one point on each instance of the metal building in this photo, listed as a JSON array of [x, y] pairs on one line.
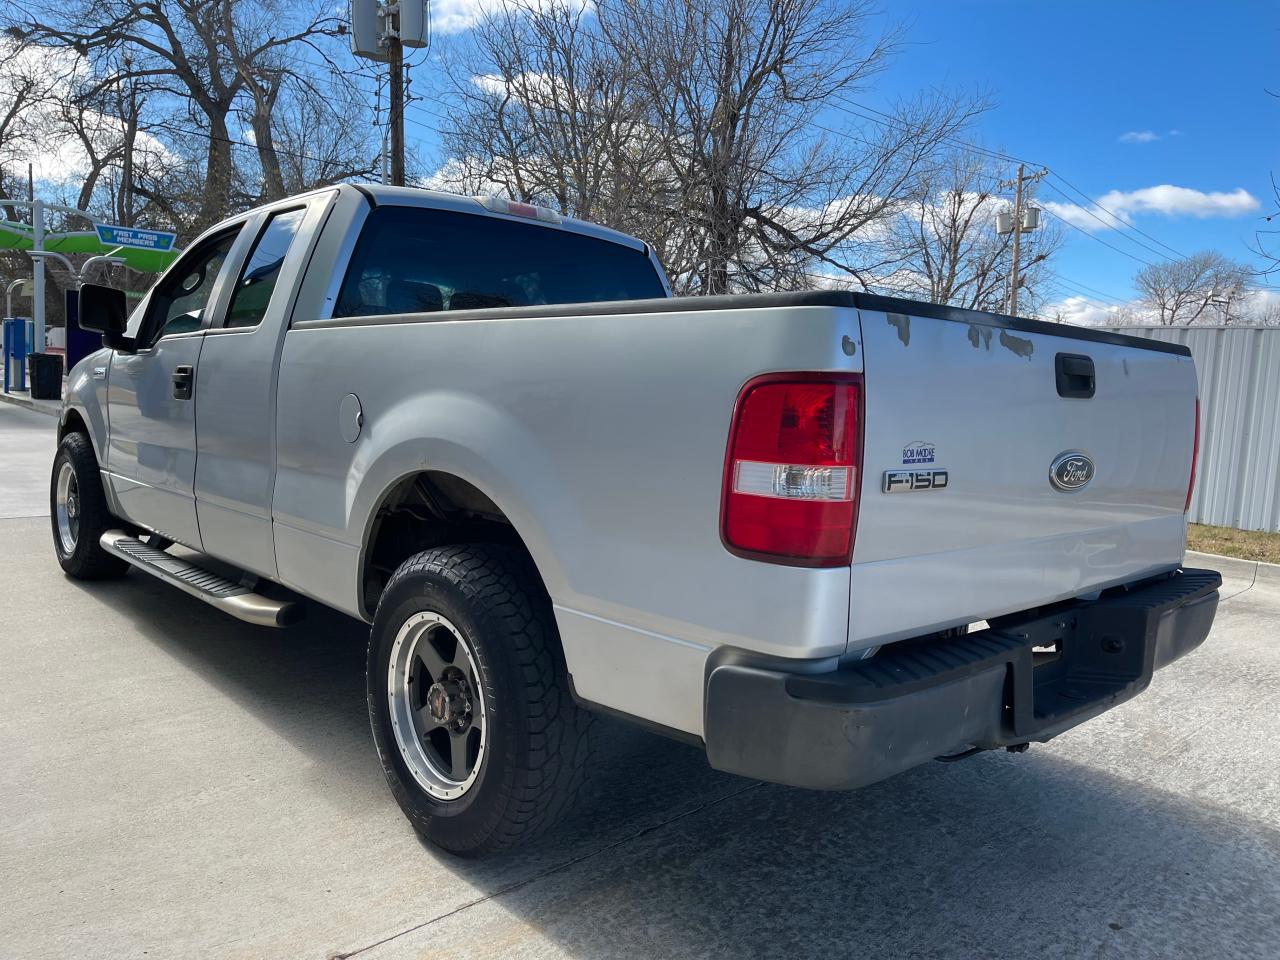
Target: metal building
[[1238, 475]]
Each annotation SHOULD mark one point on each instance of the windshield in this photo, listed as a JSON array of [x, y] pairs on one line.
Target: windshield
[[414, 260]]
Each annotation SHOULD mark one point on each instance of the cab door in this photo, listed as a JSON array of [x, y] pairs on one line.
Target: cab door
[[151, 448], [235, 401]]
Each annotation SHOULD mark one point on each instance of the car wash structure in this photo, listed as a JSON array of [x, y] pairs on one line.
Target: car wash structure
[[147, 251]]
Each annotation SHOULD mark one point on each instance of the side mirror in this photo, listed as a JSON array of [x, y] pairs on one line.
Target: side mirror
[[103, 309]]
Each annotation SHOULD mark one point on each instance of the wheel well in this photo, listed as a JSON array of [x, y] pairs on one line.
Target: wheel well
[[73, 424], [424, 510]]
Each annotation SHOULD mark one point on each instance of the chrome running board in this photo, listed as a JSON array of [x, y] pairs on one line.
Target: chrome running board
[[214, 589]]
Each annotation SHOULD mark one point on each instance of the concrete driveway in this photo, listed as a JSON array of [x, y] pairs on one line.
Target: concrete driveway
[[178, 784]]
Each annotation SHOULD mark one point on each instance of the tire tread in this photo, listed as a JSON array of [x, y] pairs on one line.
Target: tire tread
[[88, 561], [552, 772]]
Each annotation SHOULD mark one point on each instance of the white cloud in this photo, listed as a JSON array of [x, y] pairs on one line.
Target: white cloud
[[535, 87], [1146, 136], [1180, 201], [1164, 199], [1085, 312], [455, 16], [1260, 307], [56, 155], [1078, 216]]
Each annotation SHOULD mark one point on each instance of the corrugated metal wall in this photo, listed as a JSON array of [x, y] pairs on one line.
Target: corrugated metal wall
[[1238, 476]]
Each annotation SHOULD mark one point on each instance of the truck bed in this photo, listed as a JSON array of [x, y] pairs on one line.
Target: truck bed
[[600, 431]]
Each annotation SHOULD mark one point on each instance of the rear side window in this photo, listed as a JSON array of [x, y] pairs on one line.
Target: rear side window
[[257, 282], [416, 260]]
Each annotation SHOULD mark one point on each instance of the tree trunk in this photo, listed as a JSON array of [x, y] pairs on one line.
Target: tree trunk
[[264, 102], [215, 196]]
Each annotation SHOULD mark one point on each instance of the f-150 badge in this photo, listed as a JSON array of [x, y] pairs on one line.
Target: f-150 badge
[[910, 481]]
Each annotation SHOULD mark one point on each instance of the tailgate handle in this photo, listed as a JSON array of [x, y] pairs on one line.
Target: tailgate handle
[[1075, 375]]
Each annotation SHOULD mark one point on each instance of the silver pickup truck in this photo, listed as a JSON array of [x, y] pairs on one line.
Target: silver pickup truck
[[826, 536]]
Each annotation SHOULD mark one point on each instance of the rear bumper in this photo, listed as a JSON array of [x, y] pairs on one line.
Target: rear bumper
[[920, 699]]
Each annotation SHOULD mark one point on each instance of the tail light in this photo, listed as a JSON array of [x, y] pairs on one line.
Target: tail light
[[1195, 455], [791, 470]]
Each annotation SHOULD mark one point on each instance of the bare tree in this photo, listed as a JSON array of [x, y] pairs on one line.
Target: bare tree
[[947, 245], [548, 110], [1126, 316], [1265, 245], [315, 140], [694, 124], [206, 55], [1203, 287], [24, 86], [1265, 312]]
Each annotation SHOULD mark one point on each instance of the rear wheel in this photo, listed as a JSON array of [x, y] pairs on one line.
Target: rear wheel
[[481, 742], [78, 510]]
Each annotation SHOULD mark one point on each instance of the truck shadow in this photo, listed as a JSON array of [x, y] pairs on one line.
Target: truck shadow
[[1000, 856]]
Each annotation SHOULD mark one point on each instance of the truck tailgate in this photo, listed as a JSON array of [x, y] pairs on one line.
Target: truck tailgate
[[981, 401]]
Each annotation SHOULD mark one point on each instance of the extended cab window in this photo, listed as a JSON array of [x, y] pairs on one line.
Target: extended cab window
[[182, 294], [257, 281], [414, 260]]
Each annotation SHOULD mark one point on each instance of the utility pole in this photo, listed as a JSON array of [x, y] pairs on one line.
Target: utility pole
[[395, 112], [1020, 222], [380, 30]]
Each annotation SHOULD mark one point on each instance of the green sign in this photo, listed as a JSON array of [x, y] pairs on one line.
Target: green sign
[[136, 237]]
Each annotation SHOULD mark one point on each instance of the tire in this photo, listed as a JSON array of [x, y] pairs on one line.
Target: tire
[[497, 675], [79, 514]]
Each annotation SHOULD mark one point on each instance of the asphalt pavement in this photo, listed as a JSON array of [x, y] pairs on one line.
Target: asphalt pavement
[[175, 783]]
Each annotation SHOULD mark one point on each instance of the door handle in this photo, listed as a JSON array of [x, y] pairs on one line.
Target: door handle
[[1075, 375], [184, 379]]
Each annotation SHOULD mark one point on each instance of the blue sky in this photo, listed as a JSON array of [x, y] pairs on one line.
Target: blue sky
[[1157, 110], [1070, 79]]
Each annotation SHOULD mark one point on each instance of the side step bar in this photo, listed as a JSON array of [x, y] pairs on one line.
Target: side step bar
[[215, 590]]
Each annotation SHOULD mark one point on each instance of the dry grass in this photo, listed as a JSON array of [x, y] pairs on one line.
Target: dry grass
[[1245, 544]]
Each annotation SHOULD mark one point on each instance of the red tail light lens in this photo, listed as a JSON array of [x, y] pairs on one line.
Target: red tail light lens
[[791, 473], [1195, 455]]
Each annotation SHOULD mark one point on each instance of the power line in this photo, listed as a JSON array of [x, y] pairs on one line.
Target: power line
[[1065, 289], [1097, 238], [1109, 226], [1118, 224], [1088, 292], [173, 128], [1118, 218], [1083, 290]]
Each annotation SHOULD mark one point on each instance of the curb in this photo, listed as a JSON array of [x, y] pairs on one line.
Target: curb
[[37, 405], [1253, 570]]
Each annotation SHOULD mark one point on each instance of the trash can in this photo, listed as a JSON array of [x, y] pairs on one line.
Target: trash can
[[46, 376]]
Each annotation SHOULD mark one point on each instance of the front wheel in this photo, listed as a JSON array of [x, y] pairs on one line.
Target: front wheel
[[479, 737], [78, 509]]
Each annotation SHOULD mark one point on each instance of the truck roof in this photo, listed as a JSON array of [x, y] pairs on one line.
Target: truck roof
[[378, 194]]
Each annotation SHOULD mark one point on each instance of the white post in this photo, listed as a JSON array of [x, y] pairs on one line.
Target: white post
[[8, 296], [37, 295]]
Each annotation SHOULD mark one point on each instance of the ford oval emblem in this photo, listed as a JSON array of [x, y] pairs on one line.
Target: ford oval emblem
[[1070, 471]]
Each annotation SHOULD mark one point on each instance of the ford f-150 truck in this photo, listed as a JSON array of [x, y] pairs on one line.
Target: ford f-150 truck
[[824, 535]]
